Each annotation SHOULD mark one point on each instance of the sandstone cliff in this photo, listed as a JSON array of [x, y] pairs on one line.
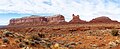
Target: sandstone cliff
[[56, 19], [38, 20]]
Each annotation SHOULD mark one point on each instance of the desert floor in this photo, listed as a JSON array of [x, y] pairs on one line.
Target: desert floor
[[72, 36]]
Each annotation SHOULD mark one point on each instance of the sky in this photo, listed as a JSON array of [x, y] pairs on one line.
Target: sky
[[87, 9]]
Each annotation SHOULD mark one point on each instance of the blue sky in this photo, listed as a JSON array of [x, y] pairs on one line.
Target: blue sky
[[87, 9]]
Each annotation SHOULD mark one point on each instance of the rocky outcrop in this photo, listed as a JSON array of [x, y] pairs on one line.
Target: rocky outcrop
[[56, 19], [28, 20], [38, 20], [103, 19], [76, 19]]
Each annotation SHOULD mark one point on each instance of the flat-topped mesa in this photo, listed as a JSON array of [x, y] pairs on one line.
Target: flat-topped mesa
[[38, 20], [103, 19], [27, 20], [76, 19], [56, 19]]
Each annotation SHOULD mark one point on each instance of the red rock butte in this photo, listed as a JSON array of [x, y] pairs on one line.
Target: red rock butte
[[76, 19], [56, 19], [103, 19]]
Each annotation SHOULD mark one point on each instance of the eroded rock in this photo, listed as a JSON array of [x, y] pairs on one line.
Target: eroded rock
[[76, 19], [103, 19], [38, 20]]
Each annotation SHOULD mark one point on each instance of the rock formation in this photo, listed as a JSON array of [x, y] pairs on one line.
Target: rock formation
[[102, 19], [56, 19], [38, 20], [76, 19]]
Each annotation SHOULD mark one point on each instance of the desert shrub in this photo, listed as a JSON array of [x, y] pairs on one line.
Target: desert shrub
[[34, 37], [72, 30], [17, 41], [20, 39], [0, 35], [26, 42], [49, 44], [46, 39], [21, 45], [114, 32], [71, 46], [41, 35], [67, 45], [79, 42], [72, 43], [5, 40], [37, 42], [90, 32], [7, 33], [32, 43]]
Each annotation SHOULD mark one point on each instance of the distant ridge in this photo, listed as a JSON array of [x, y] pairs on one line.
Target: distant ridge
[[3, 26], [103, 19], [56, 20]]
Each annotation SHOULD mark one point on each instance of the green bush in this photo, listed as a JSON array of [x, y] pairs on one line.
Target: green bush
[[7, 33], [5, 40], [114, 32]]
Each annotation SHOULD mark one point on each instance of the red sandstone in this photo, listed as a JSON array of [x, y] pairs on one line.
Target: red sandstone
[[56, 19], [38, 20], [102, 19], [76, 19]]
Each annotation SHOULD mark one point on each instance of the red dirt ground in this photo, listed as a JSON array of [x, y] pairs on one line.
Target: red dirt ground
[[72, 36]]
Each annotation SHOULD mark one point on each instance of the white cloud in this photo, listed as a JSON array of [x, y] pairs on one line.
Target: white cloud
[[87, 9]]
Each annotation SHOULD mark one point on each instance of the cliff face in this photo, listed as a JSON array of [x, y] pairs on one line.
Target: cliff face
[[56, 19], [38, 20], [102, 19], [76, 19]]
